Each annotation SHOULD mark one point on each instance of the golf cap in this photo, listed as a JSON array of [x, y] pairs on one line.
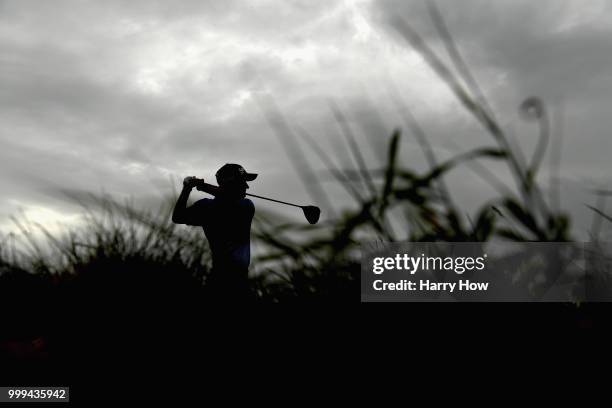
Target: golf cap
[[232, 172]]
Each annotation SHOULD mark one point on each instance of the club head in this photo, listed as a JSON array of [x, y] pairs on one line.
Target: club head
[[312, 213]]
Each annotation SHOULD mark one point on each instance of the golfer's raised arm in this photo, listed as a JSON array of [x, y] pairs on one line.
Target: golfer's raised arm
[[179, 214]]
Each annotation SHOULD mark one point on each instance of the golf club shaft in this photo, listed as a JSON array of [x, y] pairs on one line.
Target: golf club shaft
[[276, 201], [211, 189]]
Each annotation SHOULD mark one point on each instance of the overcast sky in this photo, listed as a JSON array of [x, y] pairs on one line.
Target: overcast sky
[[130, 96]]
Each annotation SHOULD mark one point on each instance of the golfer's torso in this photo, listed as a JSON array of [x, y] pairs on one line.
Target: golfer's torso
[[227, 226]]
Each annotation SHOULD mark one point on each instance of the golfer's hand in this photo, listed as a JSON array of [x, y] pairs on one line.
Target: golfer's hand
[[189, 182], [200, 184]]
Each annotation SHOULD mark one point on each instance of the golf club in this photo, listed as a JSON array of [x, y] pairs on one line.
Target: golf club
[[311, 212]]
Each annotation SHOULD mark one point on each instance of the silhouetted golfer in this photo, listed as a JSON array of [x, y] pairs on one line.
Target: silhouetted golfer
[[226, 221]]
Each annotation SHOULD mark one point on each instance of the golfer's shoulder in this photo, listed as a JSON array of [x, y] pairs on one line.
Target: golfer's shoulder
[[247, 204]]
